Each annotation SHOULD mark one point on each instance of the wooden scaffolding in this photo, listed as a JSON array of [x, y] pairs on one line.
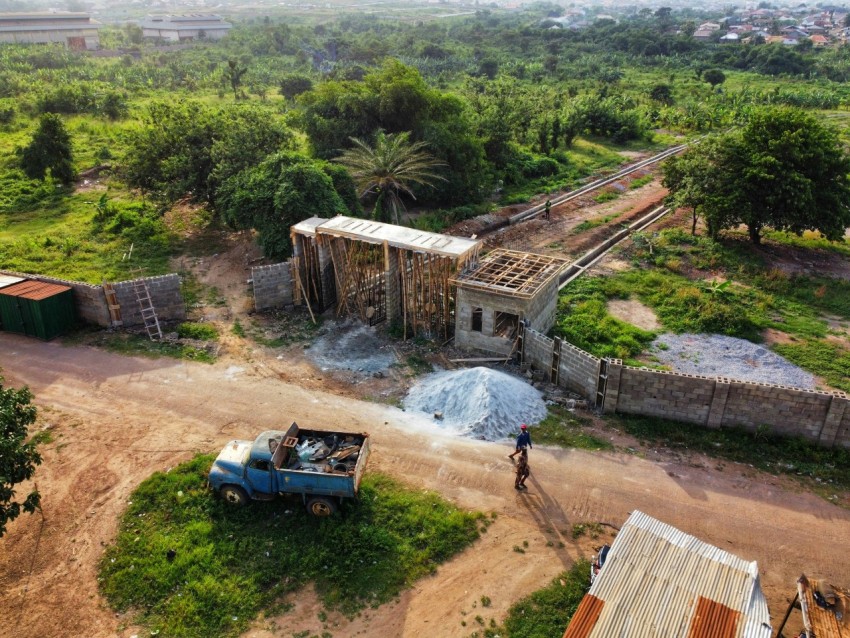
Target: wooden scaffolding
[[382, 272]]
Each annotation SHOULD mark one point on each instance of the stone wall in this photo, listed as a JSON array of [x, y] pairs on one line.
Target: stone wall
[[165, 296], [821, 417], [272, 286]]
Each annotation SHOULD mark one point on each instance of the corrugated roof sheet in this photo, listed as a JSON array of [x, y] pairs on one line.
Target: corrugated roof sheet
[[585, 617], [8, 280], [397, 236], [35, 290], [655, 576]]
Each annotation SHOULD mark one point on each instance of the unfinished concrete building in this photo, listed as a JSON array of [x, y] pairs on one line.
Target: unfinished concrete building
[[380, 272], [506, 288]]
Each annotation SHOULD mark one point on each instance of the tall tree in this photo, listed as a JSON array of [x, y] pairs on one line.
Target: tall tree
[[783, 170], [234, 73], [388, 170], [17, 457], [49, 150]]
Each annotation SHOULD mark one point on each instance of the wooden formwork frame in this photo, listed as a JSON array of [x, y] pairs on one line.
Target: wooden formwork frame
[[423, 281]]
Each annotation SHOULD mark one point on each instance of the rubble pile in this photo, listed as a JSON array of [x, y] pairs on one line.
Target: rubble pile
[[477, 402]]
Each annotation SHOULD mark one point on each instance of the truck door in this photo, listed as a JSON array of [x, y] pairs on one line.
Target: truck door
[[260, 475]]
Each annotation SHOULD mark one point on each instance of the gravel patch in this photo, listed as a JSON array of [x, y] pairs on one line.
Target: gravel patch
[[477, 402], [718, 355], [351, 345]]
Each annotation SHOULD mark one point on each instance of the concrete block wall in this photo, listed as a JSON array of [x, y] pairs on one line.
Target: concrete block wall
[[272, 286], [789, 411], [821, 417], [165, 295], [681, 397], [578, 370], [537, 350]]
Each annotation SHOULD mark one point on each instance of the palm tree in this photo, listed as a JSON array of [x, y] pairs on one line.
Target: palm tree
[[388, 170]]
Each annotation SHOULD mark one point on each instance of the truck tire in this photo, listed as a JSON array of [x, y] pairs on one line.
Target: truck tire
[[234, 495], [321, 506]]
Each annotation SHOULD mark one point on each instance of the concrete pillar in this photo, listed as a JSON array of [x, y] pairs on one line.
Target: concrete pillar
[[838, 406], [718, 402], [612, 385], [392, 284]]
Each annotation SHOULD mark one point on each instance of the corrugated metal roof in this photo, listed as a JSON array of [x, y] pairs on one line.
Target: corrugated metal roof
[[585, 617], [34, 290], [8, 280], [655, 577], [397, 236]]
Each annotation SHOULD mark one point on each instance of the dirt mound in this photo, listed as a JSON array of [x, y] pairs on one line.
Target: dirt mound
[[351, 346], [477, 402]]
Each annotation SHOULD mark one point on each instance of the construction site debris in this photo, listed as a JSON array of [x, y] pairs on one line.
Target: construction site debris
[[477, 402], [351, 345]]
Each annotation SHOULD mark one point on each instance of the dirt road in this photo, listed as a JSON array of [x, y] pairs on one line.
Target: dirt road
[[116, 420]]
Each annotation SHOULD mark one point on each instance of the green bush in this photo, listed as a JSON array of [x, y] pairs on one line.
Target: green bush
[[230, 563], [202, 331]]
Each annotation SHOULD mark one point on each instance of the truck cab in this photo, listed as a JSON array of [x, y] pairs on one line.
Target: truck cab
[[324, 466]]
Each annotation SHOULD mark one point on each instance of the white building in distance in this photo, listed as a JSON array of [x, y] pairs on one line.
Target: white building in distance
[[74, 30], [183, 28]]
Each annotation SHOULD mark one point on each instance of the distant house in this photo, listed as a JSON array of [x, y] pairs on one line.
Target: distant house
[[819, 40], [703, 34], [708, 26], [730, 37], [659, 581], [184, 28], [74, 30]]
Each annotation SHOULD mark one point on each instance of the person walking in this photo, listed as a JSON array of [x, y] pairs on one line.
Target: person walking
[[547, 210], [522, 441], [522, 470]]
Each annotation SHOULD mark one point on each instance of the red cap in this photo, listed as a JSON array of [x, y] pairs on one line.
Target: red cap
[[524, 426]]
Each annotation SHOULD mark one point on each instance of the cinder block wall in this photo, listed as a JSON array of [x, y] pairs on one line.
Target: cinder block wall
[[165, 295], [578, 370], [272, 286], [537, 350], [821, 417], [682, 397]]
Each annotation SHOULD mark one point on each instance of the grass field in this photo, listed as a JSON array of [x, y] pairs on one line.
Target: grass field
[[231, 564]]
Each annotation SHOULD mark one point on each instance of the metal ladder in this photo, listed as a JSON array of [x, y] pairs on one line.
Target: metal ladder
[[143, 295]]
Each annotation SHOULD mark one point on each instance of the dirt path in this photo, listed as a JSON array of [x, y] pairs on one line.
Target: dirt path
[[116, 420]]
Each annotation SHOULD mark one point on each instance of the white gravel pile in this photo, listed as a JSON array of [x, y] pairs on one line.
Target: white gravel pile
[[477, 402], [717, 355]]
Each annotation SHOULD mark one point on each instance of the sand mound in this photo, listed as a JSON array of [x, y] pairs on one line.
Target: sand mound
[[477, 402]]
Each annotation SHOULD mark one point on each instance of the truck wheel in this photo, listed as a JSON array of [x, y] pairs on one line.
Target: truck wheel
[[320, 506], [234, 495]]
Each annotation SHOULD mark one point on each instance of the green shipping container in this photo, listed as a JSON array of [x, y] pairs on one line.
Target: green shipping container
[[37, 309]]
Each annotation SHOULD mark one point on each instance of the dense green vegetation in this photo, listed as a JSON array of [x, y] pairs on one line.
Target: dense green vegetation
[[508, 106], [782, 170], [18, 456], [230, 563]]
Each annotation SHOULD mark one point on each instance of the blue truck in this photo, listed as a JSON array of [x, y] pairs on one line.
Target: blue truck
[[325, 467]]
